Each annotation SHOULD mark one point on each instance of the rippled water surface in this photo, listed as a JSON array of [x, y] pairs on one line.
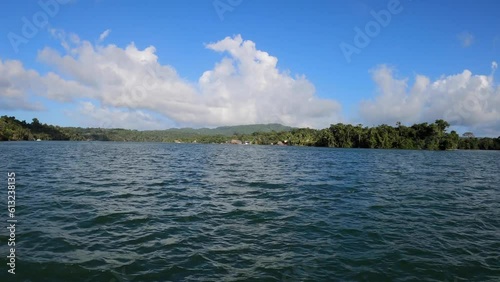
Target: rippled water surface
[[105, 211]]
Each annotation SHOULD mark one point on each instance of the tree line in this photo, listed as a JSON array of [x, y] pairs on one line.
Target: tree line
[[427, 136]]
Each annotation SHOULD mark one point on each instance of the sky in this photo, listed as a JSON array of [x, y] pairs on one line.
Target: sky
[[206, 63]]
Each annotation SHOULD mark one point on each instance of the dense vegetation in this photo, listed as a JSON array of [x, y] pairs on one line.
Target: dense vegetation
[[429, 136]]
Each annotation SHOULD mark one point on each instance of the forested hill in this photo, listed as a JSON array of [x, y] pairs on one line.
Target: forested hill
[[231, 130], [428, 136], [12, 129]]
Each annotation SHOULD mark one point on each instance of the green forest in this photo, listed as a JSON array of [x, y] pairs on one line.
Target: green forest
[[426, 136]]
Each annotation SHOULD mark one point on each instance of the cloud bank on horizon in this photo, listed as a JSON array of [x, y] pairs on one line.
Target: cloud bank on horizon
[[128, 87], [244, 87], [462, 99]]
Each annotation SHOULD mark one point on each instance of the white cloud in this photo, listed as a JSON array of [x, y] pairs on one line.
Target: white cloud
[[466, 39], [244, 87], [104, 35], [15, 86], [248, 87], [463, 99], [90, 115]]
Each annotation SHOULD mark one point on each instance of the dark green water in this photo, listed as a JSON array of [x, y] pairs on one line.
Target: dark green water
[[91, 211]]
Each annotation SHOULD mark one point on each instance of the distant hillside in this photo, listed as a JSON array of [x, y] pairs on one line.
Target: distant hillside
[[13, 129], [428, 136], [232, 130]]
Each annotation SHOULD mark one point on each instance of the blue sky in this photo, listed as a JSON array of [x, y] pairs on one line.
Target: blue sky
[[431, 59]]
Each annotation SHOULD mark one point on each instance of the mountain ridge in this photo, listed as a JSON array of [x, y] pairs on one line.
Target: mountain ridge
[[230, 130]]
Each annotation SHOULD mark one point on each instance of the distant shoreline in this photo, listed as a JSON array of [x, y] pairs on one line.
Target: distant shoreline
[[270, 145], [423, 136]]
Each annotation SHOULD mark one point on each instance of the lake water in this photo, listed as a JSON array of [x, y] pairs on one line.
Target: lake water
[[106, 211]]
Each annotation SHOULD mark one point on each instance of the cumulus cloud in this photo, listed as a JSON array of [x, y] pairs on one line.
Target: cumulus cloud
[[463, 99], [248, 86], [466, 39], [15, 86], [129, 88], [90, 115], [245, 87]]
